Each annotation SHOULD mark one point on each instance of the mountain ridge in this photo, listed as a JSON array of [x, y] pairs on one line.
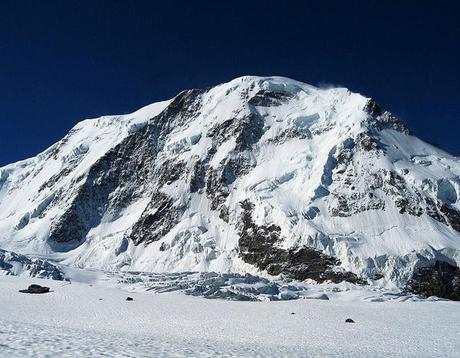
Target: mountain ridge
[[260, 174]]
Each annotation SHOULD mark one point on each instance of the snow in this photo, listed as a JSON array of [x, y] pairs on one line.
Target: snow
[[15, 264], [94, 319], [290, 186]]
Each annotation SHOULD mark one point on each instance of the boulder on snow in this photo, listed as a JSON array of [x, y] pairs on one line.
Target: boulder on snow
[[36, 289], [129, 299], [349, 320]]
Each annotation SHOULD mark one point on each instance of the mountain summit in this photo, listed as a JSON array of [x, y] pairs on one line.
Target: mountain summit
[[261, 174]]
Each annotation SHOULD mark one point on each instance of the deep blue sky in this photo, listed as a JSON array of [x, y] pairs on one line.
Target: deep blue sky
[[63, 61]]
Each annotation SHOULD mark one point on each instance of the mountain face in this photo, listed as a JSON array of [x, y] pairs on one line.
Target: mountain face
[[261, 175]]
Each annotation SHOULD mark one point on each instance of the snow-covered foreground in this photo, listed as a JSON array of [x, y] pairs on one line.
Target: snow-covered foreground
[[79, 319]]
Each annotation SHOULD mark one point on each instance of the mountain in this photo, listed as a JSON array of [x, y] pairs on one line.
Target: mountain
[[264, 175]]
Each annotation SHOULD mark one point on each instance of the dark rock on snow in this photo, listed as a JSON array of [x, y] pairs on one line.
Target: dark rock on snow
[[36, 289]]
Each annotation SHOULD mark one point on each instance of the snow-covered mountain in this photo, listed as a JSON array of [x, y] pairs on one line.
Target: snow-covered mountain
[[261, 174]]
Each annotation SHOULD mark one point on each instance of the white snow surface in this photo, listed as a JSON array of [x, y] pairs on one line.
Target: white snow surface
[[94, 319], [14, 264], [285, 186]]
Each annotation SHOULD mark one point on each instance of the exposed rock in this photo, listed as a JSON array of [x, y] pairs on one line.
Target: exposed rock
[[36, 289], [258, 247], [349, 320], [197, 178], [367, 143], [289, 133], [452, 216], [441, 280], [169, 172], [160, 216], [384, 120], [265, 98], [216, 189], [222, 131], [126, 171]]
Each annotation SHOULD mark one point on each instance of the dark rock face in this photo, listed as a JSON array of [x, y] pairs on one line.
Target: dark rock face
[[441, 280], [452, 216], [373, 108], [265, 98], [169, 172], [36, 289], [247, 131], [289, 133], [367, 142], [258, 247], [158, 219], [125, 168], [197, 177], [384, 120], [124, 173], [184, 106]]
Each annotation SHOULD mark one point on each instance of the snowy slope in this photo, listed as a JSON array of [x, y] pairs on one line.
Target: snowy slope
[[260, 175]]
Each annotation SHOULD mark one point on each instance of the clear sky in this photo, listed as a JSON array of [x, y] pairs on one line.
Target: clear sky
[[64, 61]]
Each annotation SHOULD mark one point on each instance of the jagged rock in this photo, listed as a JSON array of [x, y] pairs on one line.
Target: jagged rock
[[441, 280], [452, 216], [258, 247], [157, 219], [384, 120], [197, 179], [265, 98]]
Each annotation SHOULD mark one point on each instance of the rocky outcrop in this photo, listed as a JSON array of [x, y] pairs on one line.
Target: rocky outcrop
[[126, 172], [264, 98], [258, 246], [380, 119], [160, 216], [341, 172], [441, 280], [123, 171]]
